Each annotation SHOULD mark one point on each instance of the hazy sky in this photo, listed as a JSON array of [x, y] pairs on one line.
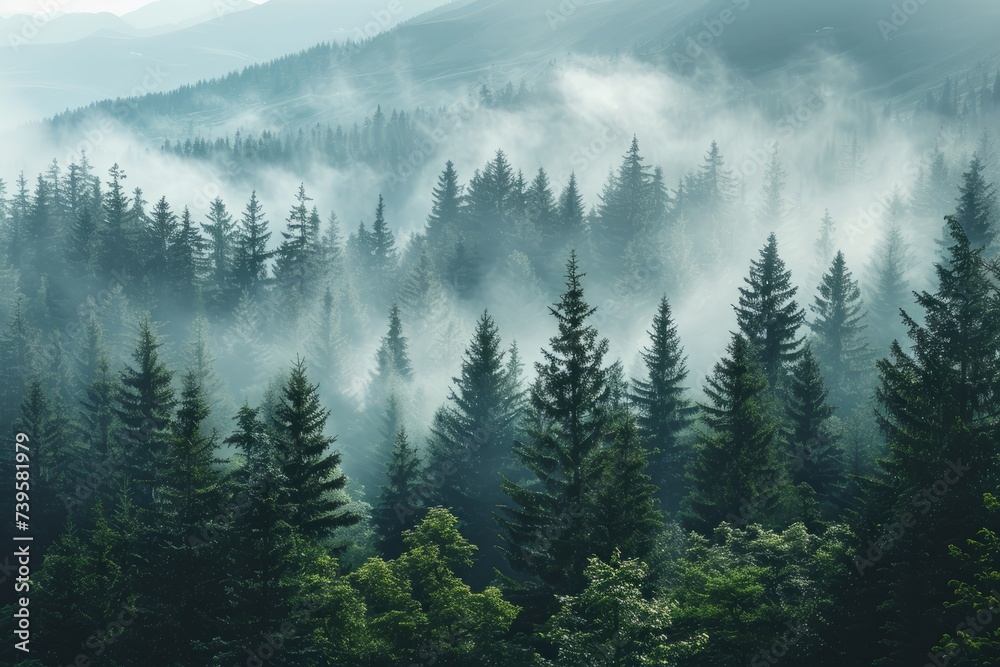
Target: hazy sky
[[10, 7]]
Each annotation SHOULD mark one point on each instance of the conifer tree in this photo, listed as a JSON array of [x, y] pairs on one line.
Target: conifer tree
[[185, 260], [293, 269], [188, 594], [117, 244], [938, 411], [768, 315], [625, 205], [56, 458], [392, 358], [96, 416], [624, 514], [663, 411], [816, 458], [839, 339], [315, 498], [736, 475], [825, 243], [888, 287], [567, 422], [977, 206], [442, 229], [144, 406], [473, 436], [772, 205], [262, 540], [570, 213], [384, 259], [394, 511], [162, 230], [251, 254], [326, 341]]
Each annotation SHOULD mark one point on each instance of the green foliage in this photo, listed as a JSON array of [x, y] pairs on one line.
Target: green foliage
[[613, 623]]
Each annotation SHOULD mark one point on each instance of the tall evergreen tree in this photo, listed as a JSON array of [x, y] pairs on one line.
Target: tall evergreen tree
[[566, 424], [888, 285], [664, 413], [315, 498], [393, 513], [570, 213], [251, 253], [263, 542], [816, 458], [144, 407], [443, 229], [977, 206], [839, 339], [938, 410], [768, 315], [187, 596], [473, 437], [185, 260], [737, 475], [295, 264]]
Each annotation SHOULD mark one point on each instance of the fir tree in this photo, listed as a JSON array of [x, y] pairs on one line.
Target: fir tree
[[938, 411], [251, 254], [736, 475], [144, 407], [663, 411], [977, 206], [815, 456], [624, 514], [185, 258], [888, 288], [566, 424], [768, 314], [570, 213], [188, 594], [839, 340], [825, 243], [443, 222], [394, 511], [314, 498], [474, 435]]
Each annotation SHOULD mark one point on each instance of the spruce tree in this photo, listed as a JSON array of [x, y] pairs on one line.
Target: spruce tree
[[768, 315], [185, 261], [473, 437], [263, 543], [394, 511], [825, 243], [736, 475], [839, 340], [251, 254], [144, 406], [188, 593], [384, 259], [888, 285], [664, 413], [566, 425], [314, 498], [56, 458], [295, 264], [815, 457], [772, 205], [443, 229], [392, 358], [977, 206], [624, 515], [571, 214], [938, 410]]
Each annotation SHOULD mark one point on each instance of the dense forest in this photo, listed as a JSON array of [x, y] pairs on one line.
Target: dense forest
[[260, 438]]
